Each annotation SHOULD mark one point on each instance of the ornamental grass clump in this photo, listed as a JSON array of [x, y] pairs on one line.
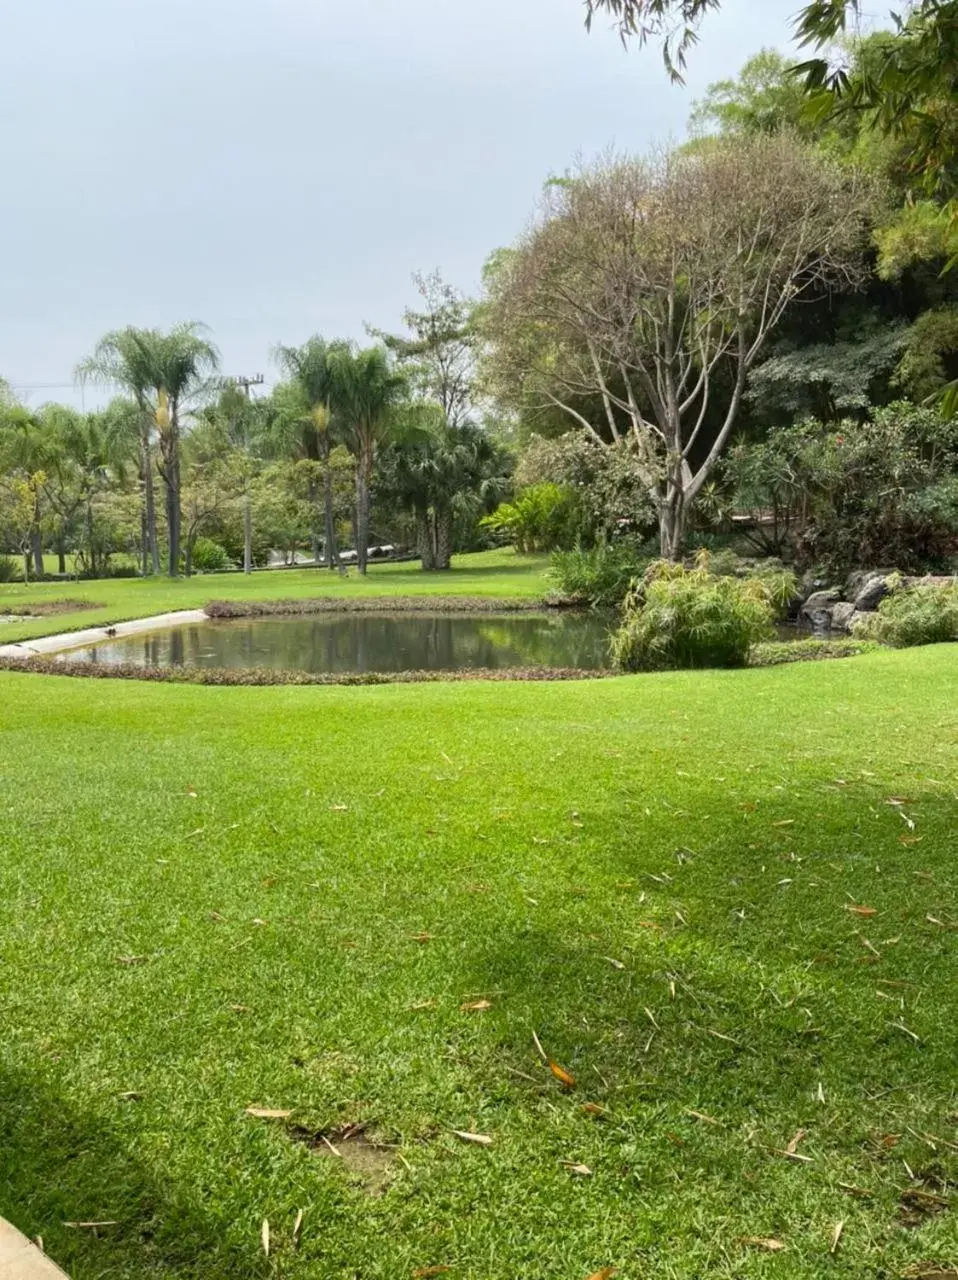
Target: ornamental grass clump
[[690, 617], [926, 613]]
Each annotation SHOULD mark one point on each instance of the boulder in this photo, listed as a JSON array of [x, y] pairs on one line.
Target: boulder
[[819, 606], [871, 592], [842, 615]]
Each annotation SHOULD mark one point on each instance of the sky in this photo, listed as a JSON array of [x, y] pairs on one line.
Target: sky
[[277, 168]]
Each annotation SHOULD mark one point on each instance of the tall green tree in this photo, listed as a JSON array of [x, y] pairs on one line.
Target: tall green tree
[[162, 372], [366, 391], [304, 418]]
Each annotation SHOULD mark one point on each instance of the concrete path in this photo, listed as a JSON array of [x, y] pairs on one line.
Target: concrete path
[[44, 645], [22, 1260]]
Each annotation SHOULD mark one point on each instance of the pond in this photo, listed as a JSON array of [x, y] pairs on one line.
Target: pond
[[349, 643]]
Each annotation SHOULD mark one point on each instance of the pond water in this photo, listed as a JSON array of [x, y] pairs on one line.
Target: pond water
[[347, 643]]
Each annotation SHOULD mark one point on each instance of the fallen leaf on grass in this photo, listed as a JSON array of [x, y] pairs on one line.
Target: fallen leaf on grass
[[700, 1115], [267, 1113], [605, 1274], [593, 1109], [423, 937], [92, 1226], [786, 822], [422, 1272], [338, 808], [480, 1139], [131, 1095], [562, 1075], [132, 959], [476, 1006], [913, 840], [793, 1145], [859, 1192], [767, 1243], [861, 911], [264, 1236], [836, 1238], [616, 964], [930, 1271], [217, 918], [423, 1004], [297, 1226], [580, 1170], [240, 1008]]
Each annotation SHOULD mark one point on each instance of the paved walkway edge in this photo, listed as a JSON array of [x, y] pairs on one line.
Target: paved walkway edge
[[22, 1260], [97, 635]]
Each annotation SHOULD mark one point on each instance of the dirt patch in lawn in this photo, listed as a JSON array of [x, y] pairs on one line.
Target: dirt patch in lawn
[[367, 1161], [50, 608]]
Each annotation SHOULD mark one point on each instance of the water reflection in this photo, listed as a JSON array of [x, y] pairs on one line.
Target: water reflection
[[358, 642]]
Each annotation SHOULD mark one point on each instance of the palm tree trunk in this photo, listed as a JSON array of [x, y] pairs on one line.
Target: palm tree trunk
[[443, 538], [364, 470], [424, 538], [151, 547], [247, 534], [173, 513], [36, 544], [329, 517]]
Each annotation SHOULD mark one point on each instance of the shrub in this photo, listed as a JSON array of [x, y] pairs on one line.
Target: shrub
[[601, 576], [541, 518], [209, 556], [680, 617], [8, 569], [922, 614]]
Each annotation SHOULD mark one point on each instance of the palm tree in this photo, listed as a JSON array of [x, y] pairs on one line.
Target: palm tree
[[438, 472], [366, 391], [161, 371], [241, 424], [305, 422], [24, 449]]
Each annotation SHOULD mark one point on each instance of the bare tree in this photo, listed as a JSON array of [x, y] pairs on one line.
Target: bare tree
[[649, 288], [439, 355]]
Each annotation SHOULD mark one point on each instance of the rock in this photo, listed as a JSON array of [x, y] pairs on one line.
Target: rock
[[871, 592], [842, 615], [819, 606]]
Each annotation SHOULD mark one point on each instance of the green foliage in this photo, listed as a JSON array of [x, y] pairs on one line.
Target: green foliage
[[680, 617], [209, 556], [543, 517], [926, 613], [827, 380], [601, 576], [930, 354], [9, 568], [613, 498], [859, 494]]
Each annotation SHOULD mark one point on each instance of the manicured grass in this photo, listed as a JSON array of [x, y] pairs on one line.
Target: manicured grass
[[211, 898], [488, 573]]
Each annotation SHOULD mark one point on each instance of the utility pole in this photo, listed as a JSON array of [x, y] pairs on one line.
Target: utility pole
[[245, 382]]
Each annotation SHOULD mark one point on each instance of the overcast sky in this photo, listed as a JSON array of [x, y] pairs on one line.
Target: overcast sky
[[277, 168]]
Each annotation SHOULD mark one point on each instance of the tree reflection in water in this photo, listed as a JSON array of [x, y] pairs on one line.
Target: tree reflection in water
[[360, 642]]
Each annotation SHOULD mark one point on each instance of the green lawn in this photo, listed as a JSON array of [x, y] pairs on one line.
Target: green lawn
[[216, 898], [488, 573]]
